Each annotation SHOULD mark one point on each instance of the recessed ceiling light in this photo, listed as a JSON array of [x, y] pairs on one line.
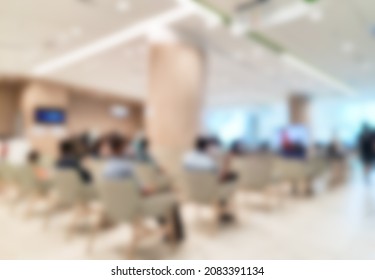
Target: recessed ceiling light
[[348, 47], [122, 6], [76, 31], [367, 66], [238, 29], [316, 15], [212, 22], [62, 39]]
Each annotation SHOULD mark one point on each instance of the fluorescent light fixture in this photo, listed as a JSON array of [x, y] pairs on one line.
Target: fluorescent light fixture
[[122, 6], [238, 28], [111, 41], [162, 34], [288, 14], [301, 65]]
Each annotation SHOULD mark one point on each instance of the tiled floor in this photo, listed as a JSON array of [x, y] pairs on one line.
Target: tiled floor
[[335, 224]]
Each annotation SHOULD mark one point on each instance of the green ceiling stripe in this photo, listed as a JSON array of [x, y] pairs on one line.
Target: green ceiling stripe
[[256, 36], [224, 17], [262, 39], [265, 41]]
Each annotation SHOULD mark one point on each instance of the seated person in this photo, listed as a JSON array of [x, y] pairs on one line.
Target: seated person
[[69, 160], [238, 149], [200, 159], [142, 152], [119, 167], [40, 172]]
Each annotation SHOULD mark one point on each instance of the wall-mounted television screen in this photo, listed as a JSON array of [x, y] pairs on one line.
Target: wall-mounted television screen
[[50, 116]]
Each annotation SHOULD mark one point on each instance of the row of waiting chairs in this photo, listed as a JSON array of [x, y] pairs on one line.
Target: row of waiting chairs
[[123, 203]]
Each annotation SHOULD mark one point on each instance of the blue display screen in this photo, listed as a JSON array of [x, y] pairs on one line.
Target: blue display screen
[[50, 116]]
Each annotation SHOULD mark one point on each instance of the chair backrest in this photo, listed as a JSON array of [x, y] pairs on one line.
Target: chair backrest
[[96, 167], [291, 169], [146, 173], [3, 172], [121, 199], [149, 175], [202, 186], [26, 179], [254, 171], [7, 173], [68, 186]]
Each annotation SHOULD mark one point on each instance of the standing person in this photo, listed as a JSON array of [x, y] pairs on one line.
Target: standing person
[[366, 144]]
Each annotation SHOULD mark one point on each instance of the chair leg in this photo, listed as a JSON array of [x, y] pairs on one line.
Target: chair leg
[[77, 215], [98, 221], [31, 205], [52, 203], [215, 221], [269, 195], [135, 239], [170, 231]]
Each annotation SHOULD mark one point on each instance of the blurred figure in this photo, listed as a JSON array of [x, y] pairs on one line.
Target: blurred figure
[[366, 143], [238, 148], [68, 159], [202, 159], [335, 151], [117, 166], [40, 172], [264, 148], [142, 153]]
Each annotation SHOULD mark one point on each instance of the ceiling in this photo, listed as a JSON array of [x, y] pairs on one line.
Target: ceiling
[[331, 48]]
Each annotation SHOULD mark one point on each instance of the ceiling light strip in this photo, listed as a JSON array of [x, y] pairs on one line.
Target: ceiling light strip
[[111, 41]]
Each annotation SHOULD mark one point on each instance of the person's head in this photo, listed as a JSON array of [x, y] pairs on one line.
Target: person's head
[[144, 145], [202, 144], [33, 157], [67, 148], [117, 145], [237, 148], [366, 128], [214, 142]]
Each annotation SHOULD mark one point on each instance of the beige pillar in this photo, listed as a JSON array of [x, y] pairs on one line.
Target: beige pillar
[[44, 138], [173, 111], [299, 110], [9, 110]]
